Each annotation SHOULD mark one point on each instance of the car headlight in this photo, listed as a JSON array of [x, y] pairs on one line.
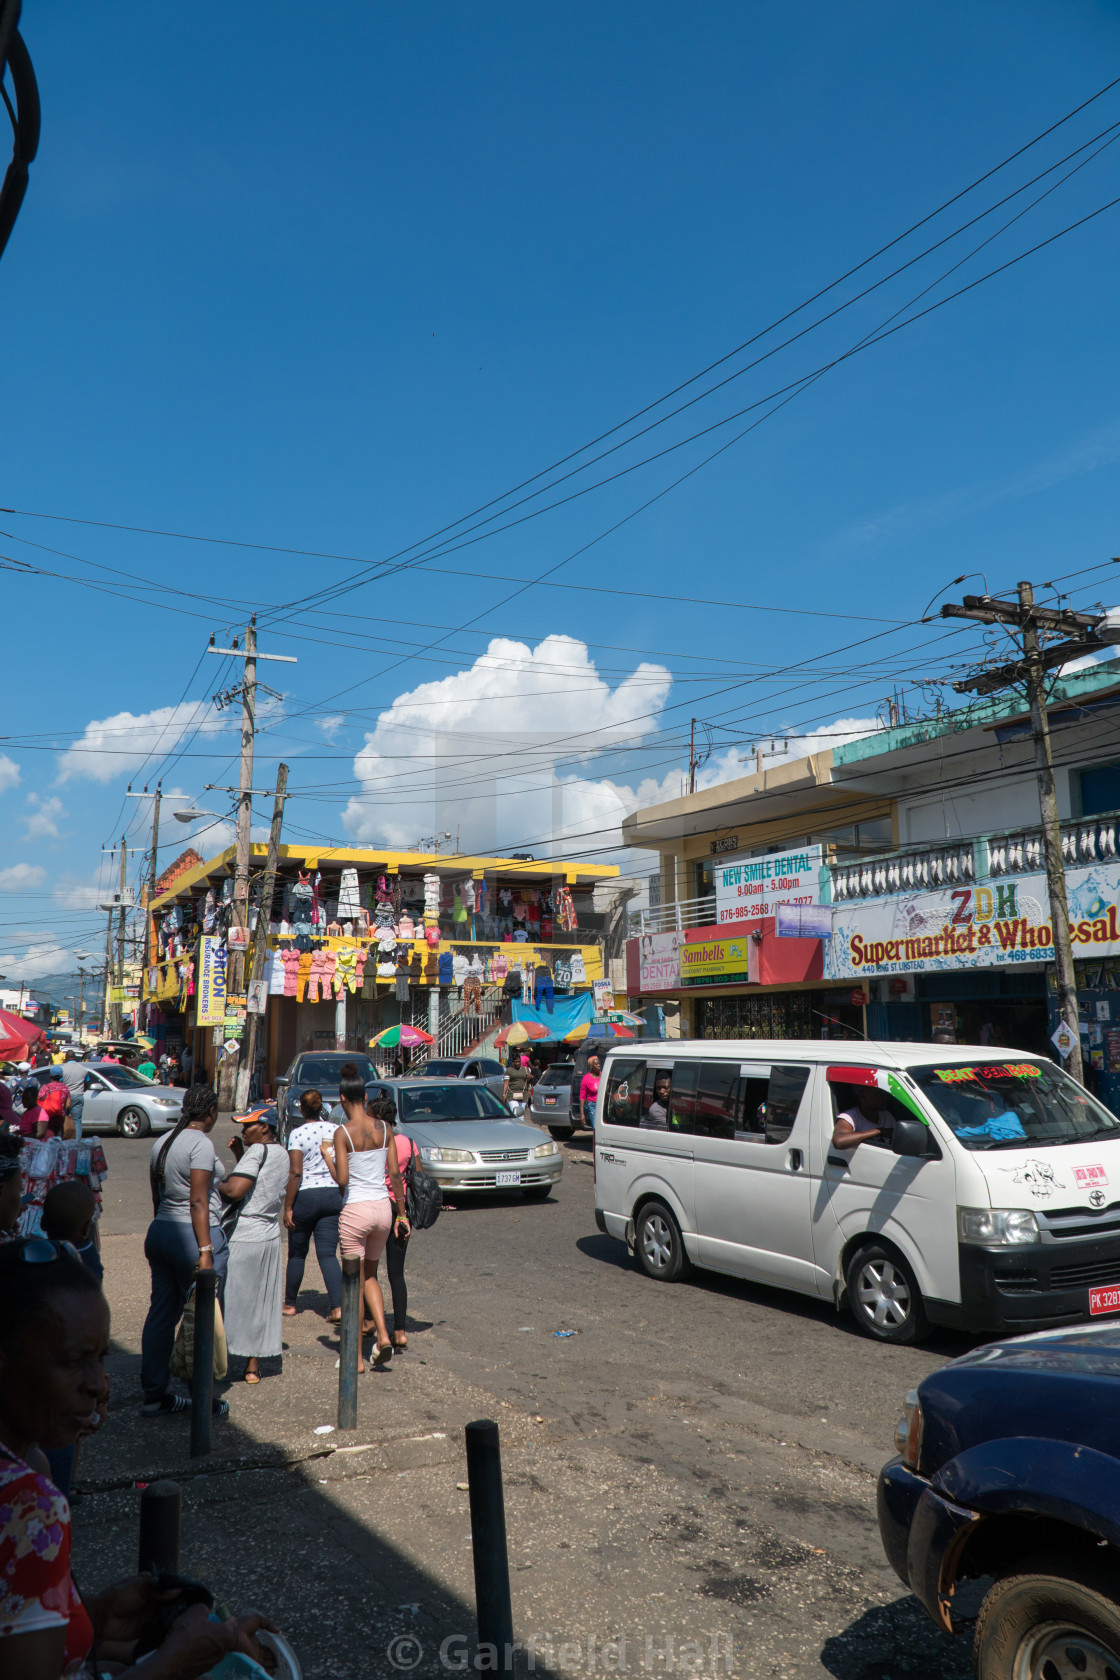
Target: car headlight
[[168, 1102], [448, 1157], [908, 1435], [544, 1149], [997, 1227]]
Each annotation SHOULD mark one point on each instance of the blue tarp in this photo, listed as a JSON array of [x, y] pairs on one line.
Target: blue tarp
[[566, 1013]]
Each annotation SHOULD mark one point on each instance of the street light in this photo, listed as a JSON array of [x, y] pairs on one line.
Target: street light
[[192, 815]]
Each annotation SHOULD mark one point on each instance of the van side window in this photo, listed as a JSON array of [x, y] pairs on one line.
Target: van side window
[[717, 1106], [655, 1099], [754, 1091], [682, 1098], [624, 1093], [787, 1087]]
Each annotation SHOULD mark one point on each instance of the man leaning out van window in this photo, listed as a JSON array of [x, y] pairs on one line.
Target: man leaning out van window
[[868, 1119]]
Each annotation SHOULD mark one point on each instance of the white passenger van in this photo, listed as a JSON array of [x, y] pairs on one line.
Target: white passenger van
[[988, 1200]]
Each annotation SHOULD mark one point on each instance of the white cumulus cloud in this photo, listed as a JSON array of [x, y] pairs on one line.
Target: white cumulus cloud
[[116, 746], [45, 956], [21, 877], [488, 753], [42, 823], [9, 772]]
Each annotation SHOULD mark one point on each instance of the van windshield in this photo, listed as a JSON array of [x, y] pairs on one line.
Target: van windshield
[[1005, 1105]]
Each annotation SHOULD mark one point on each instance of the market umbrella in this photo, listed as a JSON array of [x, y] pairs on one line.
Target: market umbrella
[[520, 1032], [595, 1029], [17, 1035], [410, 1037], [623, 1018]]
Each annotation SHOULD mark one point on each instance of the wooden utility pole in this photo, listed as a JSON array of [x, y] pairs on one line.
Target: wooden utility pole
[[1025, 617], [118, 1008], [260, 943]]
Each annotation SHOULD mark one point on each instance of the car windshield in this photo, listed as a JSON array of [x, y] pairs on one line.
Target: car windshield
[[451, 1102], [1001, 1105], [122, 1078], [439, 1070], [326, 1070], [560, 1073]]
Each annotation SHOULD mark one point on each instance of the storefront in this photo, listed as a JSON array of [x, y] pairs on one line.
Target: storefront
[[356, 941]]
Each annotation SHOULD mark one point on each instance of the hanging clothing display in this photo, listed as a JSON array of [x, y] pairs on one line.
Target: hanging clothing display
[[348, 902], [577, 969]]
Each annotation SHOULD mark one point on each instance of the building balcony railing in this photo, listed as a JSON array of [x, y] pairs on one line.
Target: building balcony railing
[[665, 918], [1085, 840]]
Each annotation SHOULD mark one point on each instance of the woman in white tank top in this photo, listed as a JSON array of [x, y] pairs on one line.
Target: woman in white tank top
[[364, 1151]]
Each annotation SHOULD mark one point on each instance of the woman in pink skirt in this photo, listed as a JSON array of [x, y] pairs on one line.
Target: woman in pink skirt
[[365, 1156]]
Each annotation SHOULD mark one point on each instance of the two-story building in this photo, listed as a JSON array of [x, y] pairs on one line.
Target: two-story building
[[359, 939], [894, 886]]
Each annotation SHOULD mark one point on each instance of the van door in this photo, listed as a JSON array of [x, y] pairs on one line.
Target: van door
[[751, 1170], [642, 1147], [870, 1189]]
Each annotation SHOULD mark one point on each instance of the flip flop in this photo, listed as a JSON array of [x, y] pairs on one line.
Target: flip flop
[[289, 1312], [252, 1376], [384, 1354]]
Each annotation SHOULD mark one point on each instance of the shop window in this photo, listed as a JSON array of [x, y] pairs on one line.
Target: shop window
[[765, 1015], [787, 1087], [623, 1106], [1100, 789]]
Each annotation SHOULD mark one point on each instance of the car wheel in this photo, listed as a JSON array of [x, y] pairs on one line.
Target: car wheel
[[133, 1122], [561, 1132], [537, 1192], [659, 1245], [885, 1300], [1051, 1618]]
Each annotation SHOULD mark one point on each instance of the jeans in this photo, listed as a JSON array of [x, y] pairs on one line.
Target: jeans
[[172, 1254], [395, 1250], [77, 1103], [315, 1213], [544, 990]]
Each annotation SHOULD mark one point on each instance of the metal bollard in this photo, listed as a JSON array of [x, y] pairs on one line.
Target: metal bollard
[[349, 1343], [488, 1539], [161, 1511], [202, 1370]]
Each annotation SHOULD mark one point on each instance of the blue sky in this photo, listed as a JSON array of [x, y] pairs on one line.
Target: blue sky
[[332, 291]]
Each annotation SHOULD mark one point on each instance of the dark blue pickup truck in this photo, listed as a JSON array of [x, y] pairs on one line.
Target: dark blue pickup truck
[[1009, 1467]]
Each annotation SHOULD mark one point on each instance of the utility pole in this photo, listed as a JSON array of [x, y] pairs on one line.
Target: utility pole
[[147, 955], [260, 944], [118, 1023], [1087, 632], [112, 1024], [692, 758]]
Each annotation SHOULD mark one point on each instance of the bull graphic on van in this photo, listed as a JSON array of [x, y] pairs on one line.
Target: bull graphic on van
[[1038, 1176]]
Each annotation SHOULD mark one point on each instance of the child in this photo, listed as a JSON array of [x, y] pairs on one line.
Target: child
[[34, 1119], [68, 1212]]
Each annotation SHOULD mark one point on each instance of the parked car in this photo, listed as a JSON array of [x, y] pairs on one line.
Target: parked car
[[468, 1139], [119, 1100], [316, 1070], [1010, 1467], [485, 1068], [981, 1203], [551, 1101]]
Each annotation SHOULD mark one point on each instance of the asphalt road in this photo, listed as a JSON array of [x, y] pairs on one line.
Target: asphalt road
[[712, 1445]]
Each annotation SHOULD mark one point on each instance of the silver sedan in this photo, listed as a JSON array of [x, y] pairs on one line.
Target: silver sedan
[[468, 1140], [121, 1101]]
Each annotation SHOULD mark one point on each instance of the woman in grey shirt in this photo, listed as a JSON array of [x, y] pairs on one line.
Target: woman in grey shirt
[[185, 1235], [256, 1187]]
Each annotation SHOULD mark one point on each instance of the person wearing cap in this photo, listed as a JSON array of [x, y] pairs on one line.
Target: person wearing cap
[[254, 1192]]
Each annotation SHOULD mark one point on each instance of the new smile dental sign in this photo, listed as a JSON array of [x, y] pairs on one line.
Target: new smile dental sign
[[756, 886]]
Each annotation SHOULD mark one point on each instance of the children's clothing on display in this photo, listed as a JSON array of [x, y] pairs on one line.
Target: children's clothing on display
[[348, 903], [577, 969], [291, 960]]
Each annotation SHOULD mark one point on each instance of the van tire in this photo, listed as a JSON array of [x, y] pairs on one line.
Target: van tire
[[884, 1297], [1048, 1602], [659, 1246]]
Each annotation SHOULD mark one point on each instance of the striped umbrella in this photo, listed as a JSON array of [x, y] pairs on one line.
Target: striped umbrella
[[595, 1029], [521, 1032], [410, 1037]]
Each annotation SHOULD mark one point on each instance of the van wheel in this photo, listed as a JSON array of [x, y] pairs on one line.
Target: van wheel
[[659, 1245], [885, 1300], [1050, 1617]]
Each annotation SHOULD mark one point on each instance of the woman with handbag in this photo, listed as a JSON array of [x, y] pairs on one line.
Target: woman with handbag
[[365, 1168], [254, 1194], [185, 1236]]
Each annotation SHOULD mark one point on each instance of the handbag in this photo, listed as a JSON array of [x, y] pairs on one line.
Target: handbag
[[182, 1354], [423, 1197]]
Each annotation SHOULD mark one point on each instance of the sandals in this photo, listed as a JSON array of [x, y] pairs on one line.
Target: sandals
[[402, 1345], [252, 1377], [289, 1312], [384, 1354]]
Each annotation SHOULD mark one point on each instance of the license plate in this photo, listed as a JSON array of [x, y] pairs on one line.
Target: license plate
[[1104, 1301], [515, 1178], [551, 1100]]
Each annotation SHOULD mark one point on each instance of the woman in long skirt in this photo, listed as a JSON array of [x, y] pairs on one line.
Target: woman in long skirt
[[254, 1281]]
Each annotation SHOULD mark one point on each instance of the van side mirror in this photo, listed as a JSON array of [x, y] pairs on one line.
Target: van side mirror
[[914, 1138]]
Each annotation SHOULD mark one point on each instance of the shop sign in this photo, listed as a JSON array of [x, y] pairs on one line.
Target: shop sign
[[1063, 1038], [258, 997], [659, 967], [602, 996], [803, 921], [726, 843], [123, 994], [995, 925], [719, 960], [238, 938], [757, 886], [211, 982]]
